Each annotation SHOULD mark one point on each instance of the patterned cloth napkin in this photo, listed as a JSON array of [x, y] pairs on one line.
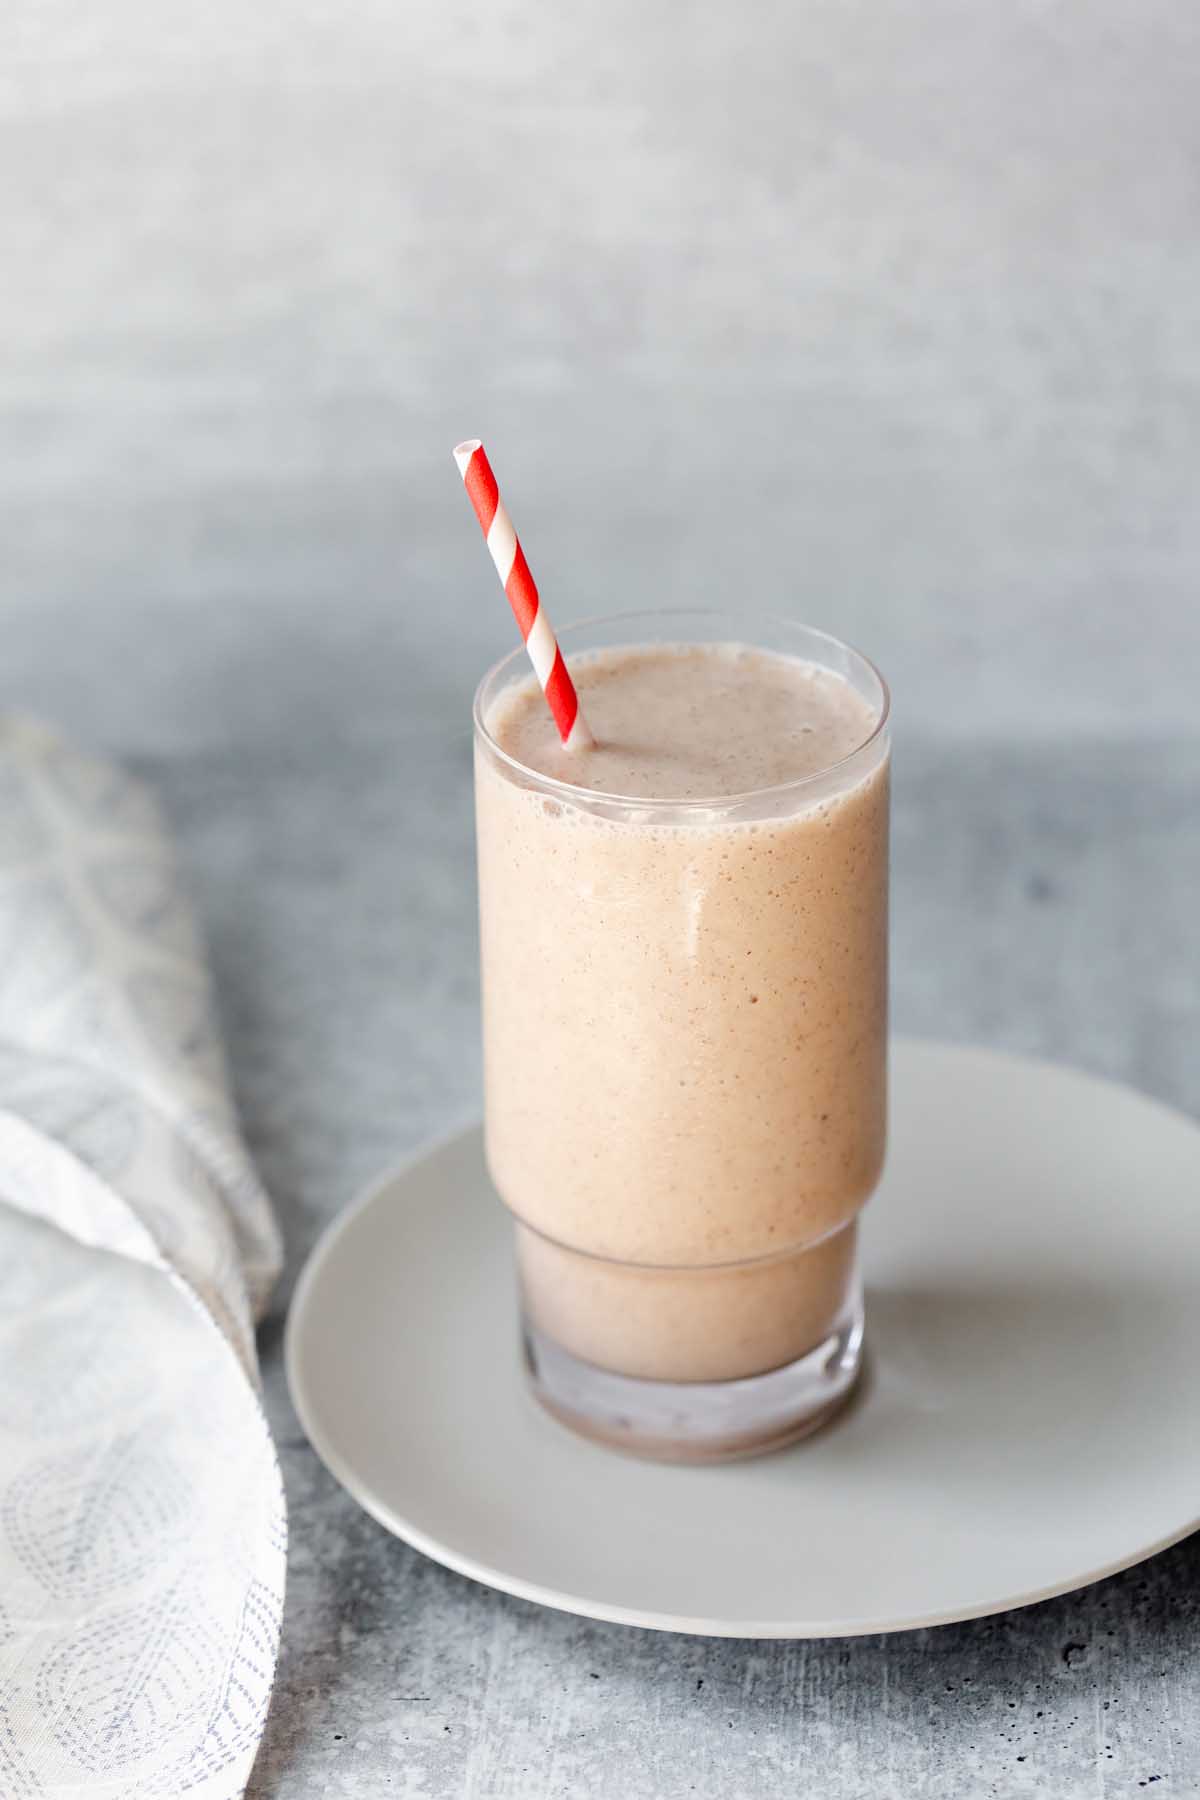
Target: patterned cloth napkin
[[142, 1524]]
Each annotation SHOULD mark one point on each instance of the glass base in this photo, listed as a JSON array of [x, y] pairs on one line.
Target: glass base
[[699, 1421]]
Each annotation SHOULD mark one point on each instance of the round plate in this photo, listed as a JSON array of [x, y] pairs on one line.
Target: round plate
[[1030, 1419]]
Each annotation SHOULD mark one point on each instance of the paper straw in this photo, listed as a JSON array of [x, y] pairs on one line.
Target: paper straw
[[519, 585]]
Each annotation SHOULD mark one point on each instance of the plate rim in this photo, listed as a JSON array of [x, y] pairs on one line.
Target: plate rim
[[372, 1191]]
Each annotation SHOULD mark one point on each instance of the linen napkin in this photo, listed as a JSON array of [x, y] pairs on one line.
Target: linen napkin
[[142, 1523]]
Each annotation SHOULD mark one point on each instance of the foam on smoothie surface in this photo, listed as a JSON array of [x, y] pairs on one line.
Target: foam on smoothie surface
[[690, 721]]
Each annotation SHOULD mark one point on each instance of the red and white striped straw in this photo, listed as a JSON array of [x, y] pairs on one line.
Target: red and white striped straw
[[519, 585]]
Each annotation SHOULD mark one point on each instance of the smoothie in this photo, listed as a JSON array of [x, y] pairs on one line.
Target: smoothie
[[684, 984]]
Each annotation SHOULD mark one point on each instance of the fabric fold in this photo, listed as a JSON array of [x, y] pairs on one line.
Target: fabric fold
[[142, 1523]]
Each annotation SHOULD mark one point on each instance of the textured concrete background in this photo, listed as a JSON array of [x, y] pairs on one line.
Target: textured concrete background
[[879, 311]]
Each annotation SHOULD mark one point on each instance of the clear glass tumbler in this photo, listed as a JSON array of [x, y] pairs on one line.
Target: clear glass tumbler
[[685, 1048]]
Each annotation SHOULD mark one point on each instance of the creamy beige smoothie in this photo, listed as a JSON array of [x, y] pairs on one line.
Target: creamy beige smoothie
[[685, 1004]]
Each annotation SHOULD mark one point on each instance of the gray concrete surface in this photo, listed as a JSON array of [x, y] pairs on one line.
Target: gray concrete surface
[[879, 313], [1045, 901]]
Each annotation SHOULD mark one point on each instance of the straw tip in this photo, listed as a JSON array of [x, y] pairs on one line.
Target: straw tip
[[465, 451]]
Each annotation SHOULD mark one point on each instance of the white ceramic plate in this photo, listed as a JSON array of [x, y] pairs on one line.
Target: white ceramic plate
[[1030, 1420]]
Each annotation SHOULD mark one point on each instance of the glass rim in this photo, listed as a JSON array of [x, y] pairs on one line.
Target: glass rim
[[574, 791]]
